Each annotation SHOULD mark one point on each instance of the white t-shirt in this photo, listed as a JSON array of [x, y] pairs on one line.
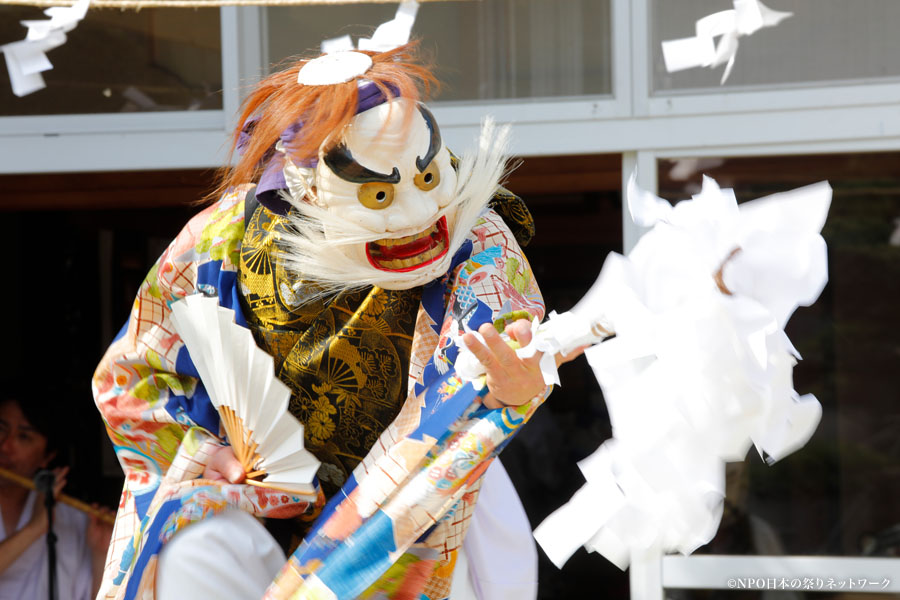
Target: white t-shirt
[[27, 577]]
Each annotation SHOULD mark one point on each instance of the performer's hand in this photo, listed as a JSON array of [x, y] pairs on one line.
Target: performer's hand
[[223, 466], [39, 520], [511, 381]]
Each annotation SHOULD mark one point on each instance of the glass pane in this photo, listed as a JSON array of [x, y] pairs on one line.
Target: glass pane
[[123, 61], [837, 495], [492, 49], [825, 41]]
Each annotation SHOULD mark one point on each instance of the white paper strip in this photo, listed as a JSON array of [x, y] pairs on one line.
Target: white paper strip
[[338, 44], [27, 59], [20, 56], [747, 17], [393, 33], [387, 36]]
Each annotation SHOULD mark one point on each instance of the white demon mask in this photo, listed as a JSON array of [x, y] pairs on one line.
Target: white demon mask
[[384, 206]]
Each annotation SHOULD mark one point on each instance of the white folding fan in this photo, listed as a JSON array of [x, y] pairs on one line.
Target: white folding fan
[[252, 403]]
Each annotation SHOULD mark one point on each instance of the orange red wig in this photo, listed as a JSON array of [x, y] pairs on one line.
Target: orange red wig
[[278, 102]]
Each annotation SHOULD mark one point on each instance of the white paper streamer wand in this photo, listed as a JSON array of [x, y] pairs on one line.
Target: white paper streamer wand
[[700, 369]]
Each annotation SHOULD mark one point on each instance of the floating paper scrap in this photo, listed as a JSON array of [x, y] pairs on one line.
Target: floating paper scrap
[[700, 368], [387, 36], [746, 18], [338, 44], [27, 59]]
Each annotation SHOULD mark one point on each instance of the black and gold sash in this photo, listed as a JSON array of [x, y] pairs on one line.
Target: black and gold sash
[[344, 358]]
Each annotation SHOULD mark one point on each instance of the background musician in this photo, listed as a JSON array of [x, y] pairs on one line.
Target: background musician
[[29, 441]]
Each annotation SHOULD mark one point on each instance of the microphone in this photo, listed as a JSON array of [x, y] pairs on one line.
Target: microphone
[[44, 480]]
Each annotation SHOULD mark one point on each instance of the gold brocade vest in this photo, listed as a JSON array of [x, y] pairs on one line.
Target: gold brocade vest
[[345, 359]]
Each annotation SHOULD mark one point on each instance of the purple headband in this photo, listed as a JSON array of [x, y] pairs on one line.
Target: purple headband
[[272, 180]]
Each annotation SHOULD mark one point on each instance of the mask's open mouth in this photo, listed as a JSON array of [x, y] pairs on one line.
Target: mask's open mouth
[[410, 252]]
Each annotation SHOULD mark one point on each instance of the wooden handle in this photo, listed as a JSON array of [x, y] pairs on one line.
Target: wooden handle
[[73, 502]]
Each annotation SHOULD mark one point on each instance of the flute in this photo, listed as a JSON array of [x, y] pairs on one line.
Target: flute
[[73, 502]]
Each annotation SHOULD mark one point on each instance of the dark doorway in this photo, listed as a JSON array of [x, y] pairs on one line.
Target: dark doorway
[[82, 244]]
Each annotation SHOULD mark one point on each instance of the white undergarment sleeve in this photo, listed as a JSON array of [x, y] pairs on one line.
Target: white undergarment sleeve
[[499, 549], [228, 557], [462, 587]]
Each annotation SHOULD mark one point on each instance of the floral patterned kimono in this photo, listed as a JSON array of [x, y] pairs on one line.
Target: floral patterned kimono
[[401, 438]]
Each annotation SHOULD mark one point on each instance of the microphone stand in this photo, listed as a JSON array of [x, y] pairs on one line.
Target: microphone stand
[[50, 502], [44, 483]]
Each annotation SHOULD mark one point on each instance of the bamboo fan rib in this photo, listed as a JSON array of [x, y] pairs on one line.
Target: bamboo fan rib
[[252, 403]]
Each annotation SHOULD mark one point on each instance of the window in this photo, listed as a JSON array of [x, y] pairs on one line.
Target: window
[[826, 41], [124, 61], [490, 50]]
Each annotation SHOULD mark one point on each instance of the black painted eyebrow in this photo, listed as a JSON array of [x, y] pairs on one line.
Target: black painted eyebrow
[[341, 162], [434, 144]]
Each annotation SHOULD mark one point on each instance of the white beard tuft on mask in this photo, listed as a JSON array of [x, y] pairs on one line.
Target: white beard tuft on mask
[[322, 260]]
